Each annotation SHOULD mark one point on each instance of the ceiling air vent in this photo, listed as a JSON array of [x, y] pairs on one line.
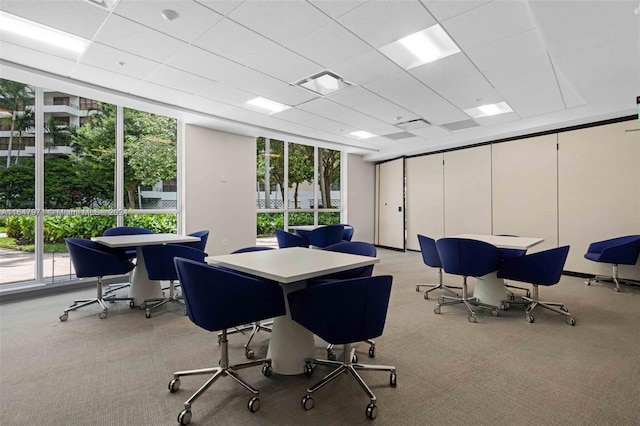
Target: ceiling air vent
[[459, 125], [400, 135], [418, 123]]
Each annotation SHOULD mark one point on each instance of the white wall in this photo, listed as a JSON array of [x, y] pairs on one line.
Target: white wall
[[360, 197], [219, 187], [425, 198]]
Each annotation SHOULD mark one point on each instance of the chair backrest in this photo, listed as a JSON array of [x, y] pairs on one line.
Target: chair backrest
[[507, 252], [252, 248], [218, 298], [620, 250], [347, 234], [91, 259], [287, 239], [466, 257], [541, 268], [352, 247], [158, 259], [127, 230], [344, 311], [429, 251], [200, 245], [326, 235]]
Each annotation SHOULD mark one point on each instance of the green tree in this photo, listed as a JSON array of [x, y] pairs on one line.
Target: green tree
[[17, 185], [328, 174], [14, 97], [24, 121], [300, 167], [57, 135]]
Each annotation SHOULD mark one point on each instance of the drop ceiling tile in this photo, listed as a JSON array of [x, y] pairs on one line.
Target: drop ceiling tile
[[119, 32], [296, 115], [283, 64], [366, 68], [194, 19], [223, 7], [235, 42], [80, 18], [203, 63], [108, 58], [497, 119], [329, 45], [517, 58], [104, 78], [471, 88], [382, 22], [442, 10], [431, 132], [38, 46], [336, 8], [208, 106], [489, 22], [290, 95], [163, 94], [533, 97], [280, 21], [35, 59]]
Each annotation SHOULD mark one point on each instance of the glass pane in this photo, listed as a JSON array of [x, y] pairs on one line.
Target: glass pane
[[299, 218], [328, 179], [269, 173], [328, 218], [150, 160], [300, 176], [165, 223], [267, 223], [17, 262]]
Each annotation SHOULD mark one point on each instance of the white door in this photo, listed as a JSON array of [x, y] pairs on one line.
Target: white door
[[390, 204]]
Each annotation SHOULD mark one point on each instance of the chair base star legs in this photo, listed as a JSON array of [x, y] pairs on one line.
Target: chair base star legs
[[184, 417], [255, 328], [347, 366], [469, 302], [534, 302], [100, 299], [156, 303], [613, 279], [372, 351], [441, 285]]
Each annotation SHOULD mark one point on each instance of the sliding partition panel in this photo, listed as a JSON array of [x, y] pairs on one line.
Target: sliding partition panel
[[467, 191], [525, 189], [599, 191], [390, 204], [425, 198]]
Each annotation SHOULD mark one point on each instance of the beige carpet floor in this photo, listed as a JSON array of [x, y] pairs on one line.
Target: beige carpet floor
[[499, 371]]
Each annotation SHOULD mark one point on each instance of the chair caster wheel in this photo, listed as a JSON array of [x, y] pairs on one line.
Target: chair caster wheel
[[64, 317], [529, 319], [143, 305], [528, 293], [267, 370], [571, 321], [372, 352], [436, 310], [616, 289], [307, 402], [219, 339], [248, 353], [254, 404], [147, 313], [504, 306], [494, 313], [393, 379], [426, 296], [308, 368], [103, 314], [417, 288], [331, 356], [587, 282], [184, 417], [354, 359], [372, 411], [472, 318], [131, 304], [174, 385]]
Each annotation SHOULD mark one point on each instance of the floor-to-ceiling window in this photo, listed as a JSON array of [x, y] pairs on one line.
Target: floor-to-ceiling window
[[296, 184], [73, 167]]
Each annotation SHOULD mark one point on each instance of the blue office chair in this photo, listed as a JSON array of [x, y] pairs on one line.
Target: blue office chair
[[617, 251], [93, 260], [431, 258], [542, 268], [159, 262], [507, 253], [287, 239], [199, 245], [254, 326], [351, 247], [218, 299], [347, 235], [358, 312], [324, 236], [469, 258]]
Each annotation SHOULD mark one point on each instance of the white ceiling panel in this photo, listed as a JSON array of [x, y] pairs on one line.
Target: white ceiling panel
[[431, 132], [223, 7], [336, 8], [73, 16], [119, 33], [290, 95], [368, 67], [160, 93], [442, 10], [373, 105], [278, 20], [208, 106], [382, 22], [489, 22], [108, 58], [32, 58], [283, 64], [533, 97], [329, 45], [517, 58], [235, 42], [194, 19], [104, 78], [497, 119]]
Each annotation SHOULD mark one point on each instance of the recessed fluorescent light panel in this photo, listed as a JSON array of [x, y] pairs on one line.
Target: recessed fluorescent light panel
[[420, 48], [271, 106], [361, 134], [324, 83], [489, 110], [35, 31]]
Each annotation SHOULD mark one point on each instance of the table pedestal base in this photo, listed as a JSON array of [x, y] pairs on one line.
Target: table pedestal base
[[490, 289], [142, 288]]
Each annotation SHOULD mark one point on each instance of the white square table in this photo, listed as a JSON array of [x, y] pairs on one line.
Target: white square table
[[290, 343], [142, 287], [489, 288]]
